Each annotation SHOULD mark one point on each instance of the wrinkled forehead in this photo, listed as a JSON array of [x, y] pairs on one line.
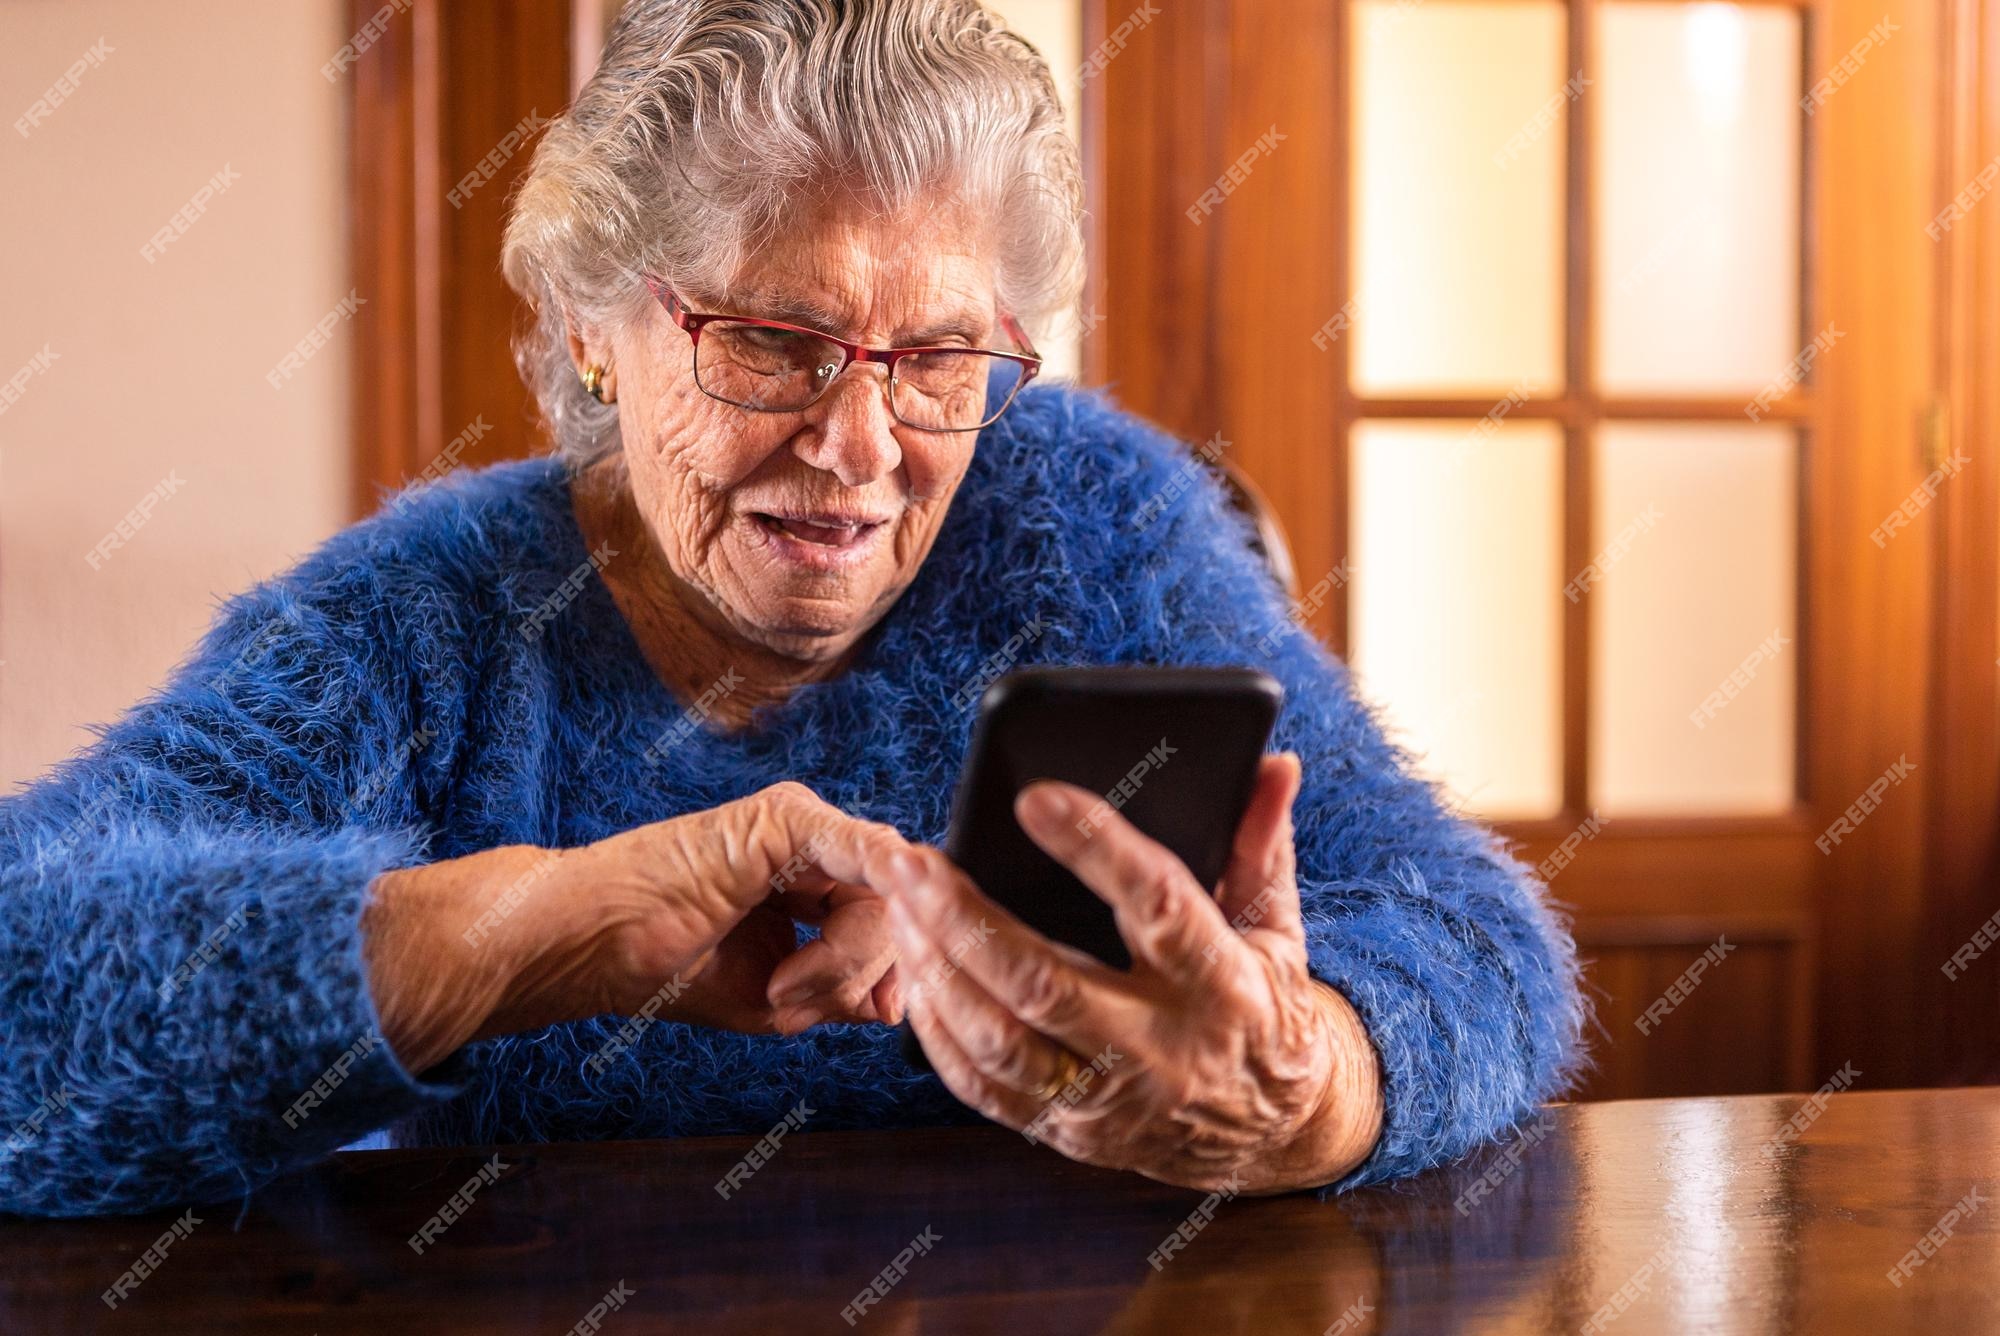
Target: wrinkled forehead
[[854, 270]]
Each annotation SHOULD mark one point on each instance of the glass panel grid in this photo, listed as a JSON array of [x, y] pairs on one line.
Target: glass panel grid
[[1769, 782]]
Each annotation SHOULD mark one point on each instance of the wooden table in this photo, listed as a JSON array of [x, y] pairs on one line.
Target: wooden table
[[1670, 1215]]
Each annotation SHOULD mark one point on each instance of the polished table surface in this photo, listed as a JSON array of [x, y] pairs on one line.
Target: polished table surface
[[1691, 1215]]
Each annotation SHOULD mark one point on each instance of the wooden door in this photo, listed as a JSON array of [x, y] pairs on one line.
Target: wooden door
[[1667, 461]]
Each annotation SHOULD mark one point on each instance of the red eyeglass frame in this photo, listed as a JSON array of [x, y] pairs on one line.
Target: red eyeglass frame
[[1030, 361]]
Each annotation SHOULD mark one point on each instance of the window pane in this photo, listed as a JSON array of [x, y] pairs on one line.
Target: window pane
[[1697, 162], [1056, 29], [1455, 618], [1460, 117], [1694, 607]]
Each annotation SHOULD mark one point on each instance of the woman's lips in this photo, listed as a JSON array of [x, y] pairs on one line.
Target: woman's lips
[[820, 541]]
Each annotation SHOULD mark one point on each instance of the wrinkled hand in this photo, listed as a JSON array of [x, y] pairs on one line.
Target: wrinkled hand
[[1216, 1062], [690, 919]]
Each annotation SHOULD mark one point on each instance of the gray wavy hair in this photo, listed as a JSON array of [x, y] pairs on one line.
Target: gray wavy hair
[[710, 122]]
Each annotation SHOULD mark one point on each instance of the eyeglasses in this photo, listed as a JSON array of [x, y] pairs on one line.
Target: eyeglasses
[[768, 366]]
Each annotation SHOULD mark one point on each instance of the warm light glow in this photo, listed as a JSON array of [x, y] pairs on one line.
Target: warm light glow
[[1716, 48], [1697, 163], [1460, 118], [1456, 627], [1681, 616]]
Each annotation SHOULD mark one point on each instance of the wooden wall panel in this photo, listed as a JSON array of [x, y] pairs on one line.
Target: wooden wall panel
[[1962, 832], [382, 236], [1273, 295], [1867, 698], [1209, 319], [503, 65], [443, 95], [1733, 1029]]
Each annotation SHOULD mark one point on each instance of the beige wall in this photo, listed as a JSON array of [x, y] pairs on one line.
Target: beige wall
[[159, 366]]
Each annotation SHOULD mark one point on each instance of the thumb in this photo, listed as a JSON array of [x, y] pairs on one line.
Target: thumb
[[1259, 888]]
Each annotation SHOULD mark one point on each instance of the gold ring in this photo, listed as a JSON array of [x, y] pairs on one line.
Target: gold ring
[[1067, 1068]]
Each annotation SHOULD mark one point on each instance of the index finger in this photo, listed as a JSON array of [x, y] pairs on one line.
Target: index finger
[[1054, 989], [1167, 919]]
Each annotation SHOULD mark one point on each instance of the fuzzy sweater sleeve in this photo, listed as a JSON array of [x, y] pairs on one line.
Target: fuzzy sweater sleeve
[[187, 1014], [1464, 974]]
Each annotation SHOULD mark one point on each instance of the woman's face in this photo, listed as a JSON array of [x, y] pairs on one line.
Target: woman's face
[[799, 530]]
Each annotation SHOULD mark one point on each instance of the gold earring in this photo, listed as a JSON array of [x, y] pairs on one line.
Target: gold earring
[[593, 382]]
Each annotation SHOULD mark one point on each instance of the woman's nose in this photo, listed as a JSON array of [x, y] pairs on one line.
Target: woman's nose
[[850, 431]]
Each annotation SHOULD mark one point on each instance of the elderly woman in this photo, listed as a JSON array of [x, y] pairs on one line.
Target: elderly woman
[[497, 818]]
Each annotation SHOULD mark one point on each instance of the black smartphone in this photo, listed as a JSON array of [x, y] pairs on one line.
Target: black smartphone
[[1172, 750]]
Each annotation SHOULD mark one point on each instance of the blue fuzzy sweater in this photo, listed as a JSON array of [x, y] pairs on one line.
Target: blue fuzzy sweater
[[179, 953]]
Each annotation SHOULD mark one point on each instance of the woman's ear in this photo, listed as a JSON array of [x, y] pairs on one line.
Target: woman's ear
[[583, 357], [578, 353]]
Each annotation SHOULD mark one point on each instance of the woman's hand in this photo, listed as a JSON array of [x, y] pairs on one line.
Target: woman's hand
[[690, 919], [1216, 1062]]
